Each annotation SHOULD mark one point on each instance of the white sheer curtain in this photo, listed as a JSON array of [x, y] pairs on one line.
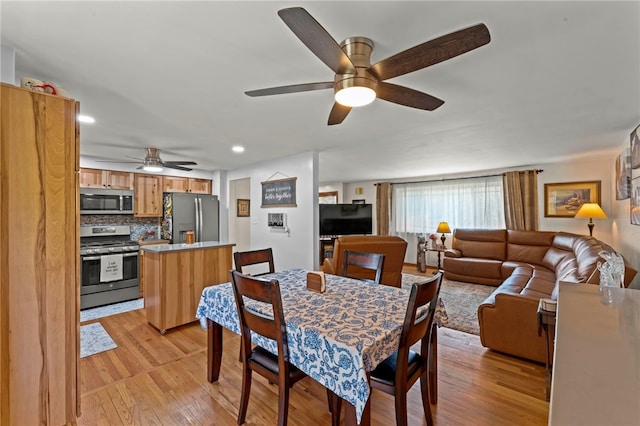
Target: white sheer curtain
[[463, 203]]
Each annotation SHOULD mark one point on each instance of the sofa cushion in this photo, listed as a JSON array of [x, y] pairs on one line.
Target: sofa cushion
[[481, 243], [528, 246], [473, 267]]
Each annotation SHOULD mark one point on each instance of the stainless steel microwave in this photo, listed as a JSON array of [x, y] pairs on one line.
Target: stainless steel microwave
[[106, 201]]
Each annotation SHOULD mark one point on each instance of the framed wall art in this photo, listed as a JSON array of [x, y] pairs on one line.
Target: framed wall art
[[635, 201], [623, 175], [243, 208], [635, 148], [564, 199], [330, 197]]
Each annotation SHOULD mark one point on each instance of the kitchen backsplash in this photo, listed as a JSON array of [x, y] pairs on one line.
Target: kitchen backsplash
[[147, 228]]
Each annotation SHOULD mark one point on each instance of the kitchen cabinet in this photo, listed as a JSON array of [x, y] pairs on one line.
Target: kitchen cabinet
[[175, 276], [147, 195], [140, 270], [39, 239], [97, 178], [185, 184]]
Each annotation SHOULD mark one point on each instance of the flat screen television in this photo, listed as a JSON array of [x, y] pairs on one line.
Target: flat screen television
[[346, 219]]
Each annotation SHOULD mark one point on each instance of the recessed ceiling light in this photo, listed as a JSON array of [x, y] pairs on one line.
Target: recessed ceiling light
[[86, 119], [238, 149]]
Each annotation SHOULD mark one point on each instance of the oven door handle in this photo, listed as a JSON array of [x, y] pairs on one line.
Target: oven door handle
[[130, 254], [90, 258]]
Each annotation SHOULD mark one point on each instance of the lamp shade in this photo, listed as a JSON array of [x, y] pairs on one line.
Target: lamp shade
[[591, 211], [443, 228]]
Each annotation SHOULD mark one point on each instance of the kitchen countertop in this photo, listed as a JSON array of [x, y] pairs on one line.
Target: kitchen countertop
[[165, 248], [152, 241], [596, 368]]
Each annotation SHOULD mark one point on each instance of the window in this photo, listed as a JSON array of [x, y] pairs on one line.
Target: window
[[463, 203]]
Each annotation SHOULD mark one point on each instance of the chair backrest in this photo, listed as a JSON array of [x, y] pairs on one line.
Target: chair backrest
[[247, 289], [394, 249], [355, 261], [415, 327], [254, 257]]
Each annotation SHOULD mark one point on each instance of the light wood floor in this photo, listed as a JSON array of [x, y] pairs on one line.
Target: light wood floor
[[150, 379]]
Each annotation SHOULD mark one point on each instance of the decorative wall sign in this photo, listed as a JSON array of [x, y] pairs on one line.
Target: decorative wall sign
[[279, 193], [565, 199], [243, 208]]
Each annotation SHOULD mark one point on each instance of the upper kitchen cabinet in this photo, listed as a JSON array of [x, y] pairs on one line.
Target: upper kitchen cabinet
[[148, 195], [184, 184], [39, 242], [97, 178]]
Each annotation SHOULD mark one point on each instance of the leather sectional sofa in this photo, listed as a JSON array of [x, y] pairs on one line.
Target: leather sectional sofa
[[526, 266], [393, 248]]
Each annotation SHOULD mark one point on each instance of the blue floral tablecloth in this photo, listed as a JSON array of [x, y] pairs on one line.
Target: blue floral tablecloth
[[334, 337]]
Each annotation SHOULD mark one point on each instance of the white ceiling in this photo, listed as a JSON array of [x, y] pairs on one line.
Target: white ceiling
[[557, 80]]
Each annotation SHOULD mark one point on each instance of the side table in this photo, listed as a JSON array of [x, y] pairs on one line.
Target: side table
[[439, 251], [547, 323]]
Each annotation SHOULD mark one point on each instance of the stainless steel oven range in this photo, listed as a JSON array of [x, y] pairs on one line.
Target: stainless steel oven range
[[109, 265]]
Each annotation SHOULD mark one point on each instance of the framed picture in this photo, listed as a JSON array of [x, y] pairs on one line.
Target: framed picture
[[635, 148], [243, 208], [623, 175], [635, 201], [564, 199]]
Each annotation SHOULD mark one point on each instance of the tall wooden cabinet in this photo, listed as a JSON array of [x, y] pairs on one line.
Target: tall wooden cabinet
[[39, 270], [148, 195]]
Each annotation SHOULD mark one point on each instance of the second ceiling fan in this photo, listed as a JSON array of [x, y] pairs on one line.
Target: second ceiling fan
[[356, 81]]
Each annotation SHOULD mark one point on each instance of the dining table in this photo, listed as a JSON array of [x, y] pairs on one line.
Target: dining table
[[336, 337]]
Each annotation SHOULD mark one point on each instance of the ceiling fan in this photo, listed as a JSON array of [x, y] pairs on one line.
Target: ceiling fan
[[153, 163], [356, 81]]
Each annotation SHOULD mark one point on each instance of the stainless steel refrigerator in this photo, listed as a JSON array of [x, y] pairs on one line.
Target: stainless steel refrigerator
[[190, 212]]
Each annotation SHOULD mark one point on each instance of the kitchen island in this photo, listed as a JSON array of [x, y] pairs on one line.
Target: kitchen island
[[175, 275]]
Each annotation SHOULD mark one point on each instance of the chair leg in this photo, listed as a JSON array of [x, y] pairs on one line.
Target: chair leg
[[246, 389], [433, 364], [426, 397], [335, 406], [401, 407], [283, 404]]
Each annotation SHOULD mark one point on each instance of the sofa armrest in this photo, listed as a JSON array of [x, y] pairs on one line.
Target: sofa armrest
[[452, 253], [510, 325], [328, 266]]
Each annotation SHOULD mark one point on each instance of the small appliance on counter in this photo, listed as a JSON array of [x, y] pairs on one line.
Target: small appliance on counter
[[184, 213]]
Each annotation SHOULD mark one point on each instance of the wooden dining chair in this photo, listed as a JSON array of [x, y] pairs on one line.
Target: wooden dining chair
[[276, 368], [397, 374], [254, 257], [355, 261]]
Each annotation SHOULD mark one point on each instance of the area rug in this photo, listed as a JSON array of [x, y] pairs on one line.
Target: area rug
[[116, 308], [94, 339], [461, 300]]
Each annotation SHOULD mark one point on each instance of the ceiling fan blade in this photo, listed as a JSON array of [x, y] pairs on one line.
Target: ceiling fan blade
[[317, 39], [175, 166], [116, 161], [294, 88], [408, 97], [432, 52], [338, 113], [180, 163]]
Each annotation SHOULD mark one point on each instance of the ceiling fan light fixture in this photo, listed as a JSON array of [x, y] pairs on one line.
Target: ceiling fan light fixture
[[355, 96], [152, 165]]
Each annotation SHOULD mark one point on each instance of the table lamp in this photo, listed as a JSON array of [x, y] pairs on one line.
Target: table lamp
[[591, 211], [443, 228]]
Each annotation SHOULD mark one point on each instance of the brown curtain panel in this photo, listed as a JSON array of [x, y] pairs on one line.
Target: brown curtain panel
[[383, 207], [521, 200]]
